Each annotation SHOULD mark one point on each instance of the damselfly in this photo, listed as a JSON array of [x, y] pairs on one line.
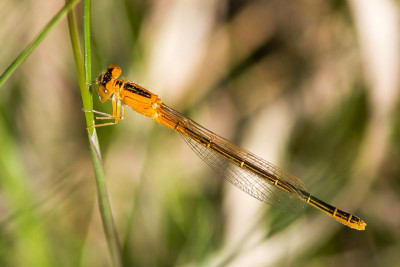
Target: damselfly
[[245, 170]]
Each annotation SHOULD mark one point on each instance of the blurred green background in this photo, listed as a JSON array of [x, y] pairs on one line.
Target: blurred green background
[[311, 86]]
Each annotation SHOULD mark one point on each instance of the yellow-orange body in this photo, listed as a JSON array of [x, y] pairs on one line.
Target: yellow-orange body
[[135, 96], [250, 173]]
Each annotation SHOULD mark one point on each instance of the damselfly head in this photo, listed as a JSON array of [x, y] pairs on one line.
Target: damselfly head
[[106, 81], [113, 71]]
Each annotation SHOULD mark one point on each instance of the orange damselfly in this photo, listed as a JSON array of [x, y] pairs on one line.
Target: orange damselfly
[[245, 170]]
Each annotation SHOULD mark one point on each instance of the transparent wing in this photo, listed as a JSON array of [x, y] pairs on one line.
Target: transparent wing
[[249, 182]]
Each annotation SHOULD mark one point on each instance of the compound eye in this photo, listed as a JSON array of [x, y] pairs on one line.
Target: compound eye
[[115, 70]]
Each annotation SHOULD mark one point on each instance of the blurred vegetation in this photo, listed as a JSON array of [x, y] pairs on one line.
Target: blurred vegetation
[[294, 82]]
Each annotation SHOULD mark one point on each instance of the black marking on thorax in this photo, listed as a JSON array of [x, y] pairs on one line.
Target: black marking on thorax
[[136, 90], [119, 83]]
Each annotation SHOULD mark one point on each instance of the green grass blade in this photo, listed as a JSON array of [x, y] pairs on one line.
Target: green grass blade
[[88, 58], [84, 74], [29, 49]]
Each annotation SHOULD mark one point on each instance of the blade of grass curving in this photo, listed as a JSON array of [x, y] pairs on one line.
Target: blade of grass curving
[[29, 49], [84, 74]]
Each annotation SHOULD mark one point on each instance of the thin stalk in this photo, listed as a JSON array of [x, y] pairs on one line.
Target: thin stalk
[[84, 77], [29, 49]]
